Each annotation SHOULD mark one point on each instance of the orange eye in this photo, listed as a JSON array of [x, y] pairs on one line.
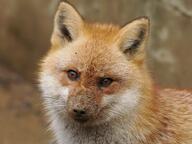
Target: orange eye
[[73, 75], [105, 82]]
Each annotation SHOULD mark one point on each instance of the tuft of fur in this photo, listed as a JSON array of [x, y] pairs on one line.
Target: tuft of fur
[[128, 111]]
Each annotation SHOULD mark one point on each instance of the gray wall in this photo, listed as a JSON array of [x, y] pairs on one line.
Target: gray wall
[[26, 26]]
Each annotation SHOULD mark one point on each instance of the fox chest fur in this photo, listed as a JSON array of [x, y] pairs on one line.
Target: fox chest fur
[[105, 134], [96, 87]]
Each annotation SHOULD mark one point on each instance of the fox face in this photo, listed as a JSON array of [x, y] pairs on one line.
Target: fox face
[[93, 72]]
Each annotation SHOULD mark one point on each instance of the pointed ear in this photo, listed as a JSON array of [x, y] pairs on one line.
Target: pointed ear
[[132, 38], [67, 24]]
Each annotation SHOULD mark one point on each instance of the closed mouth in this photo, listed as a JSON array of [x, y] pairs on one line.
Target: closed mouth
[[81, 119]]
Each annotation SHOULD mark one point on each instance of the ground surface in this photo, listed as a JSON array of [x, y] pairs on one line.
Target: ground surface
[[21, 118]]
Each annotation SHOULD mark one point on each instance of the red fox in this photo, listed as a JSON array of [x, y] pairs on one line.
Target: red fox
[[97, 89]]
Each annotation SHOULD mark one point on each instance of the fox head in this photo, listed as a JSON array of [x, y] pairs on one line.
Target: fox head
[[94, 72]]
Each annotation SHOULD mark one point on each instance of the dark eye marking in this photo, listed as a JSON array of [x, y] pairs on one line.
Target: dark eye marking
[[73, 75], [104, 82]]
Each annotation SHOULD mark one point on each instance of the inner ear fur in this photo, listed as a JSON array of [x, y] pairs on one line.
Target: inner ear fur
[[67, 24], [133, 36]]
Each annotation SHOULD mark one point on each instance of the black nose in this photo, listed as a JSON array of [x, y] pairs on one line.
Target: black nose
[[80, 115], [79, 112]]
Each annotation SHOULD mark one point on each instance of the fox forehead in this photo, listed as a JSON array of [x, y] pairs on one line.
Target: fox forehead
[[104, 32], [92, 56]]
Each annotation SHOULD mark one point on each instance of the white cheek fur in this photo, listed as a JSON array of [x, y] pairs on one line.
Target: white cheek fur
[[51, 86], [124, 103]]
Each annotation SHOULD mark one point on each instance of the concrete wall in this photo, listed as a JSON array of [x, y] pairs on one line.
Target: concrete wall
[[26, 26]]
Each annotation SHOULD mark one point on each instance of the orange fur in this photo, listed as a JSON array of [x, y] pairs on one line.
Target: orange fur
[[99, 50]]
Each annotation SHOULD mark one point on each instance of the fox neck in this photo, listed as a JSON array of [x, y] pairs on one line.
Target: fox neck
[[147, 121]]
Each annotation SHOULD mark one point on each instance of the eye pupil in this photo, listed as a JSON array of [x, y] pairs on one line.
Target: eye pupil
[[105, 82], [73, 75]]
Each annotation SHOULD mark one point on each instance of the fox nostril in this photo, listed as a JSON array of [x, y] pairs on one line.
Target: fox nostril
[[79, 112]]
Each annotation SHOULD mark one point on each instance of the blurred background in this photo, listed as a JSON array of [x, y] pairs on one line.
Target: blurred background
[[25, 30]]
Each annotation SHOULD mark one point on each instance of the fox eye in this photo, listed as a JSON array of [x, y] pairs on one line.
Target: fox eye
[[105, 82], [73, 75]]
